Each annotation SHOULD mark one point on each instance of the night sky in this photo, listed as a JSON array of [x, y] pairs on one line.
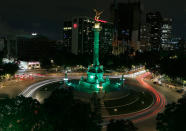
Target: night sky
[[47, 16]]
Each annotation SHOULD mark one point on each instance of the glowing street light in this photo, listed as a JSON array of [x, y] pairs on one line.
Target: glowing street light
[[34, 34]]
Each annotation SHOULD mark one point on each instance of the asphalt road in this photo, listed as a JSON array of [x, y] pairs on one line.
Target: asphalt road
[[135, 117], [148, 113], [170, 95]]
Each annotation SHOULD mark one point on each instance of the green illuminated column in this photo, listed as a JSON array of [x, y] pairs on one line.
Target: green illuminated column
[[96, 30]]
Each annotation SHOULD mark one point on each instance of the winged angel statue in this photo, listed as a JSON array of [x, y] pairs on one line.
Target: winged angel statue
[[98, 14]]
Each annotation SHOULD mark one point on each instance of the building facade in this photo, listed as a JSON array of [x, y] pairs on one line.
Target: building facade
[[174, 43], [8, 46], [145, 38], [80, 37], [127, 21], [166, 34], [67, 35], [27, 47], [154, 23], [156, 33]]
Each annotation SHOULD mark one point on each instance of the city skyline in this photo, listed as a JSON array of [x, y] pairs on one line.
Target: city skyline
[[72, 66], [47, 18]]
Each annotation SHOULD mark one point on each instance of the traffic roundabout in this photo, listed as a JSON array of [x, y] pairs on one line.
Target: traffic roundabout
[[136, 103]]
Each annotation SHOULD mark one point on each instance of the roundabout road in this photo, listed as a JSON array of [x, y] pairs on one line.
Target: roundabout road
[[156, 107]]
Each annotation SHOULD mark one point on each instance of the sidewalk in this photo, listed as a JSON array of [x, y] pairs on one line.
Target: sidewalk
[[169, 85]]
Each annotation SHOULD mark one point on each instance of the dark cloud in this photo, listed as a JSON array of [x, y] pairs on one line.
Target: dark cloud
[[47, 16]]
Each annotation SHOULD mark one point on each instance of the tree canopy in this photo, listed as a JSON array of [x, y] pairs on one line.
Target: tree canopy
[[21, 114], [173, 118], [60, 112], [68, 114], [121, 125]]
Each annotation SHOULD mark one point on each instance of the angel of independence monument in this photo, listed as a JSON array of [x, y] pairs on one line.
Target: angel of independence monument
[[95, 80]]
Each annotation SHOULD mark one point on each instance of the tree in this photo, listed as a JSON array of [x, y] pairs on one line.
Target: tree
[[21, 114], [173, 118], [121, 125], [68, 114], [10, 68]]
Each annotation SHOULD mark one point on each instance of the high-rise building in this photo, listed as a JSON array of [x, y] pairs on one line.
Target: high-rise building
[[154, 21], [145, 38], [127, 21], [67, 35], [174, 43], [8, 46], [166, 33], [31, 47], [156, 33], [106, 35], [83, 36], [28, 47]]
